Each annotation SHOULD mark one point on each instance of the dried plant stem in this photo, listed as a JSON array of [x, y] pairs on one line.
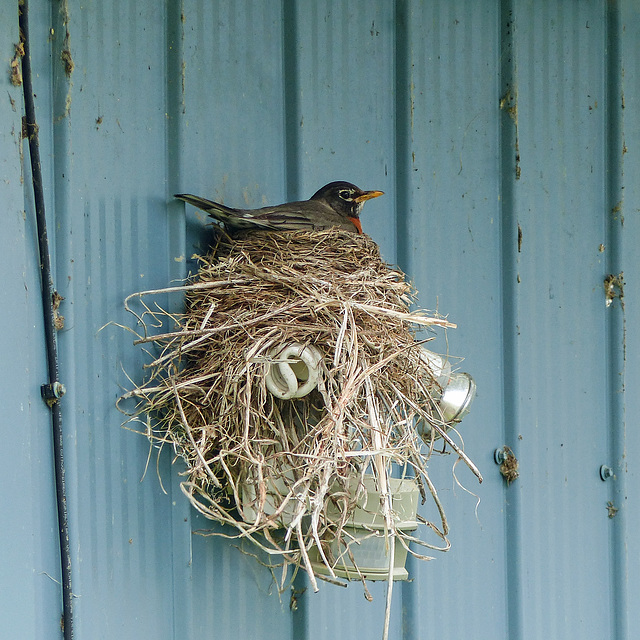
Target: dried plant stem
[[288, 475]]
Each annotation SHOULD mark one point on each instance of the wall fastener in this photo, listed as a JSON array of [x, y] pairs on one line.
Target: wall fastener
[[52, 392], [606, 472]]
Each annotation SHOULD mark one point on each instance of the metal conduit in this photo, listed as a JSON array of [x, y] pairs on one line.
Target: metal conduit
[[53, 390]]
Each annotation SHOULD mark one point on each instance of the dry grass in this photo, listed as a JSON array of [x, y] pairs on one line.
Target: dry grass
[[271, 468]]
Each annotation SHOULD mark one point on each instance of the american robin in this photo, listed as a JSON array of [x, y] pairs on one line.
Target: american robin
[[337, 204]]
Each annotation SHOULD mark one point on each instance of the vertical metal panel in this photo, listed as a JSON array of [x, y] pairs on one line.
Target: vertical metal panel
[[499, 136], [559, 432], [623, 199], [108, 159], [30, 603], [451, 248], [346, 96], [234, 596], [232, 119]]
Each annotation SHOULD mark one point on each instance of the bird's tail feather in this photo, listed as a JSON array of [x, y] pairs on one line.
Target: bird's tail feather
[[214, 209]]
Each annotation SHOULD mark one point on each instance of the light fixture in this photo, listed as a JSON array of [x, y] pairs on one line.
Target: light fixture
[[457, 396], [458, 389]]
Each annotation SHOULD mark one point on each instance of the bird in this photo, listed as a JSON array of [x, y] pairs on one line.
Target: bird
[[337, 204]]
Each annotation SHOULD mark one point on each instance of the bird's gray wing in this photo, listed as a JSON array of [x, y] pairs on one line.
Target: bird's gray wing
[[305, 215]]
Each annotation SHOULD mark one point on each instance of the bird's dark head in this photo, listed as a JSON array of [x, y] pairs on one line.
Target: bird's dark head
[[345, 198]]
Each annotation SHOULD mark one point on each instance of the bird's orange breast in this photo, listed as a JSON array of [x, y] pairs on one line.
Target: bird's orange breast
[[356, 224]]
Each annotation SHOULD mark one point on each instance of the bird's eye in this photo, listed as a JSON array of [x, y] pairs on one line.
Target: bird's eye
[[345, 194]]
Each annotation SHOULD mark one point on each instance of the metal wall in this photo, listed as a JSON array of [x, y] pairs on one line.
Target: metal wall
[[506, 137]]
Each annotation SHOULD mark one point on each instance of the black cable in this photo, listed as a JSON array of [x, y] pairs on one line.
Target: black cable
[[52, 391]]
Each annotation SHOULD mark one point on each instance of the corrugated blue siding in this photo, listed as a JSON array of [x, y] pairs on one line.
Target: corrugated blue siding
[[30, 563], [559, 206], [506, 138], [450, 230], [108, 160], [623, 156]]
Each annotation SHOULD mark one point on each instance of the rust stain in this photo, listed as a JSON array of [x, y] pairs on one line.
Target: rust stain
[[412, 88], [519, 238], [509, 104], [69, 65], [614, 288], [65, 56], [15, 67]]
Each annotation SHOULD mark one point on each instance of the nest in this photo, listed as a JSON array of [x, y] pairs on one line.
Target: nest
[[287, 474]]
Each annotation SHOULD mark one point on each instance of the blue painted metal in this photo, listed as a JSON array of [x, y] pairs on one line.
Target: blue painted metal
[[450, 243], [108, 166], [499, 136], [557, 220], [30, 604]]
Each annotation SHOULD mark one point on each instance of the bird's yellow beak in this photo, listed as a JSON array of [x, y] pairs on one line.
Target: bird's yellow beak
[[367, 195]]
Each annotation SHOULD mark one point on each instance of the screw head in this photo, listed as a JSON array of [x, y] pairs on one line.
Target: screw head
[[606, 472], [59, 389], [499, 455], [53, 391]]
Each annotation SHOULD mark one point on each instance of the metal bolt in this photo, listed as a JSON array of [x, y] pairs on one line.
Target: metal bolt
[[53, 392], [606, 472], [499, 455]]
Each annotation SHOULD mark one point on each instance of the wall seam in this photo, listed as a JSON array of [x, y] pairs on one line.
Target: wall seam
[[509, 243]]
